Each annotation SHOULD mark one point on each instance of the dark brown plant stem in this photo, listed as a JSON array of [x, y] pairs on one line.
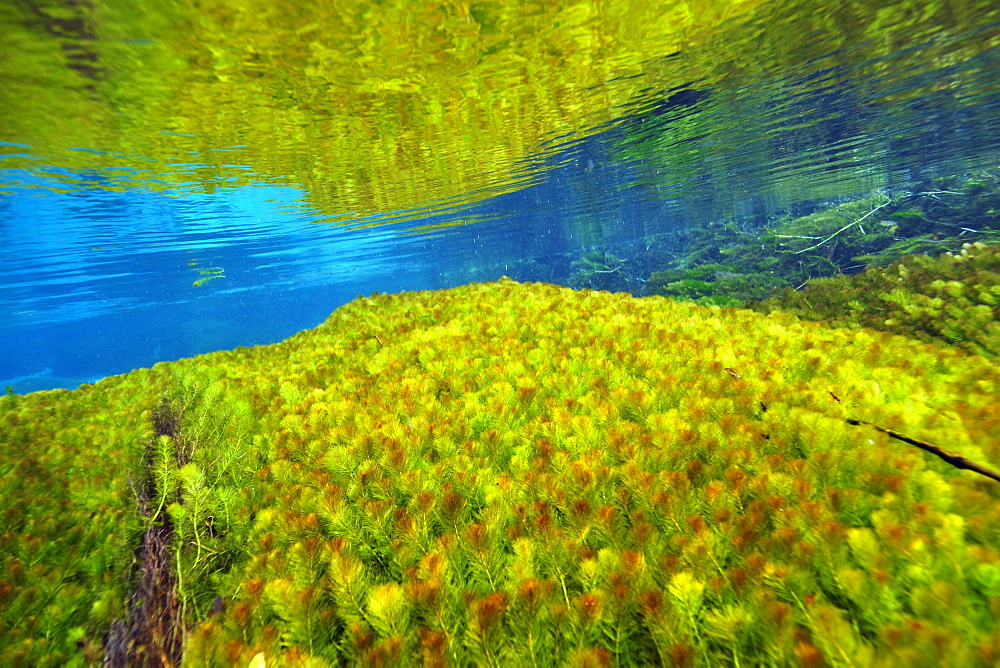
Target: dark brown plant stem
[[958, 461], [153, 634]]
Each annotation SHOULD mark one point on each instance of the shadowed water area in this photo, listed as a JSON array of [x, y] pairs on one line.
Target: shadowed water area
[[180, 177]]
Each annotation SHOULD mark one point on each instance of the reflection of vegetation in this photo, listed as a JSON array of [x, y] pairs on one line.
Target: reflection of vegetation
[[386, 106], [368, 106], [724, 264], [513, 474], [954, 298], [770, 131]]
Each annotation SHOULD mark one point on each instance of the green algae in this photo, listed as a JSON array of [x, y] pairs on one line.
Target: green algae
[[512, 472]]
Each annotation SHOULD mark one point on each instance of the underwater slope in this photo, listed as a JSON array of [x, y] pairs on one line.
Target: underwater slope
[[511, 472]]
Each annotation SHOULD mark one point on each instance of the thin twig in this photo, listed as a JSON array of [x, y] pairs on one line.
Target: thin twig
[[958, 461], [845, 227]]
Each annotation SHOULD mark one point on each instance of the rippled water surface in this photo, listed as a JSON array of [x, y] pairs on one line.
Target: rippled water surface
[[178, 177]]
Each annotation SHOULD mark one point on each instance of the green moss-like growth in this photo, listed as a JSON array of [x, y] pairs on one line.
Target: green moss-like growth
[[515, 473], [954, 298], [68, 527]]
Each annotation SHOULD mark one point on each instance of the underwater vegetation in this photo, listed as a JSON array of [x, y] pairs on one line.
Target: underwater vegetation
[[602, 270], [953, 298], [511, 473], [729, 264]]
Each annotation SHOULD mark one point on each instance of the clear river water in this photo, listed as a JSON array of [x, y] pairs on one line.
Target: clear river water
[[178, 177]]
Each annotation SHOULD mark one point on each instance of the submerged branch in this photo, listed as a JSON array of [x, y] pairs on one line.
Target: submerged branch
[[958, 461], [845, 227]]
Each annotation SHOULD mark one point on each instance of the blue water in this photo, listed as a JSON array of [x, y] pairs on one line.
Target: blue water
[[99, 278], [114, 289]]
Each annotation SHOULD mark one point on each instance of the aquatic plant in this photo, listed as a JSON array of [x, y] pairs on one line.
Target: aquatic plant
[[69, 527], [508, 472], [601, 270], [953, 298], [727, 264]]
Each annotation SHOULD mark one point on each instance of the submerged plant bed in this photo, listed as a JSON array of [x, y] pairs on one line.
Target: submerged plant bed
[[728, 264], [512, 473], [953, 298]]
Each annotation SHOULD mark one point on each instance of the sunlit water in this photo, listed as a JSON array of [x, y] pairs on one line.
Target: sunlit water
[[175, 181]]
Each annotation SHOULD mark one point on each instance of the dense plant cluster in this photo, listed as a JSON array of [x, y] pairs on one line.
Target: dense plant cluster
[[514, 473], [68, 528], [953, 298]]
